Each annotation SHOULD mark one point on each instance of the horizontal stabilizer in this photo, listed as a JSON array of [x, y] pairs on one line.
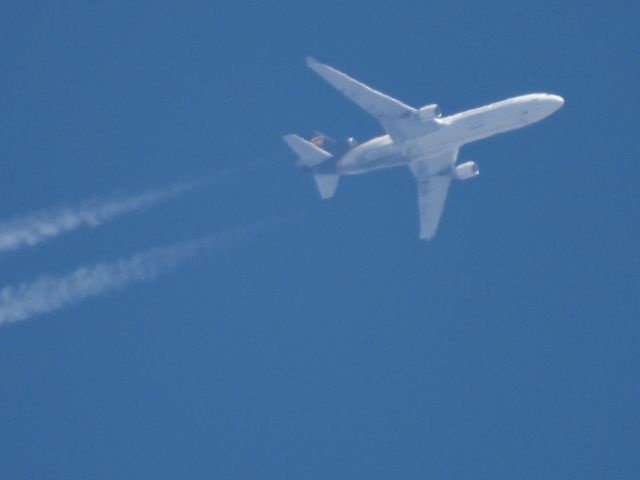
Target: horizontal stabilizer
[[309, 154], [327, 184]]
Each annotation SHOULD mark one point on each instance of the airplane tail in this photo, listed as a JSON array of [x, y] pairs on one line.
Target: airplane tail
[[310, 155], [327, 184]]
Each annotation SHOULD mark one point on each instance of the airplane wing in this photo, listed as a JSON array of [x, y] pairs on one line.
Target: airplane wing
[[400, 121], [432, 190]]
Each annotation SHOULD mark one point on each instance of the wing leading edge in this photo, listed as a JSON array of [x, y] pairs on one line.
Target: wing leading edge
[[400, 121], [432, 191]]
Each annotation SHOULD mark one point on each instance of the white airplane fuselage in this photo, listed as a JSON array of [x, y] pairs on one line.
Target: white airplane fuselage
[[450, 133]]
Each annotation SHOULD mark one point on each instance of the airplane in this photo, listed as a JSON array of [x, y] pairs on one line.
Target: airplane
[[422, 139]]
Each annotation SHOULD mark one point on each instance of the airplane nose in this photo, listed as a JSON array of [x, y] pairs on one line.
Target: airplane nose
[[557, 100]]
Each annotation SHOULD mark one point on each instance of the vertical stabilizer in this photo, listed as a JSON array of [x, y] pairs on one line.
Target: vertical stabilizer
[[327, 184]]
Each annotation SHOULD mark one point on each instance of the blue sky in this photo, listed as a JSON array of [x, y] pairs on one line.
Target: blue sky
[[330, 342]]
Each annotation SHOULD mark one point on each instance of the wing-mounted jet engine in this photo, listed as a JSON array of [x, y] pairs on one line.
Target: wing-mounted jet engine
[[466, 170], [429, 112]]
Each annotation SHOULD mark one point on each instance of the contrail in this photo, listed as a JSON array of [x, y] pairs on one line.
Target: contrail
[[35, 228], [49, 293]]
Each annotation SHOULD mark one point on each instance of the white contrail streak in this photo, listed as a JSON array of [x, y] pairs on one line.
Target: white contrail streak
[[49, 293], [37, 227]]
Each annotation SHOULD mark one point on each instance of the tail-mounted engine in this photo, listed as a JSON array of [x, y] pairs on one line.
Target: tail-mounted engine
[[466, 170]]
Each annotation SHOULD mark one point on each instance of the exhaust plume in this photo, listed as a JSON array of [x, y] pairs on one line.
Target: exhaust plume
[[35, 228], [49, 293]]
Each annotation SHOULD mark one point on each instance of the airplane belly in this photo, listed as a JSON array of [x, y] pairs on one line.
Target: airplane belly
[[387, 161], [365, 158], [484, 123], [430, 145]]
